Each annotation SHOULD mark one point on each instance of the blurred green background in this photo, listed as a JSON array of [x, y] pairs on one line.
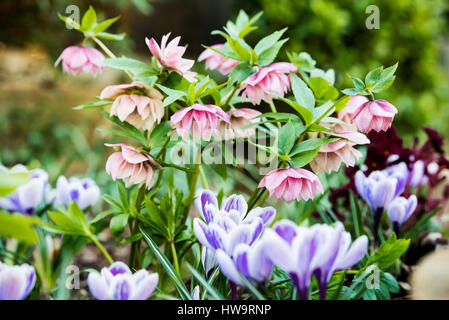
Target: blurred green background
[[37, 122]]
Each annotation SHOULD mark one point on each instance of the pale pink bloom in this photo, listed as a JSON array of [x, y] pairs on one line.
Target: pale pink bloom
[[290, 184], [268, 82], [331, 155], [135, 103], [351, 107], [131, 165], [199, 120], [216, 61], [369, 115], [74, 59], [170, 56], [239, 118]]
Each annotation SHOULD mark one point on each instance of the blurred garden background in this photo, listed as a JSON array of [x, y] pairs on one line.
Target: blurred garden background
[[38, 126]]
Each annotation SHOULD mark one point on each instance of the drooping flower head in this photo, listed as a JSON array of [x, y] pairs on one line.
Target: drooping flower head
[[216, 61], [267, 82], [117, 282], [202, 121], [76, 59], [131, 165], [370, 115], [27, 197], [135, 103], [239, 118], [292, 183], [170, 55], [16, 282], [400, 209], [229, 225], [331, 155], [84, 191], [319, 251]]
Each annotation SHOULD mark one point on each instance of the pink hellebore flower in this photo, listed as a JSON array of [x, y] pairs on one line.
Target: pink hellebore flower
[[216, 61], [292, 183], [268, 82], [370, 115], [135, 103], [131, 165], [239, 118], [200, 120], [170, 56], [74, 59], [331, 155]]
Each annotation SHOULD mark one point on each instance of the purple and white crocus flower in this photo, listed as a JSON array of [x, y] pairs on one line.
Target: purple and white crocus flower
[[117, 282], [319, 251], [84, 191], [400, 209], [16, 282], [229, 229], [27, 197]]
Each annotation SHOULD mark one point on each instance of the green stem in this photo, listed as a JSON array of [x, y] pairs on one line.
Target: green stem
[[175, 258], [203, 178], [230, 95], [273, 109], [192, 186], [109, 53], [136, 244], [102, 249]]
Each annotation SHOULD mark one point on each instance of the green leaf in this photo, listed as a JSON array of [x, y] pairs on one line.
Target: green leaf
[[69, 21], [303, 95], [70, 221], [420, 223], [305, 113], [102, 26], [388, 253], [241, 71], [172, 95], [341, 103], [303, 158], [118, 224], [130, 130], [252, 288], [322, 89], [159, 135], [168, 267], [243, 25], [9, 181], [19, 226], [310, 145], [123, 63], [96, 104], [356, 215], [101, 216], [286, 138], [303, 61], [212, 291], [89, 19], [268, 47]]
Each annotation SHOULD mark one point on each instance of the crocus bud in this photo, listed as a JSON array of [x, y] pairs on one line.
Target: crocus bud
[[331, 155], [202, 121], [290, 184], [400, 209], [170, 56], [16, 282], [29, 196], [117, 282], [216, 61], [84, 191], [239, 118], [131, 165], [267, 82], [76, 59], [136, 103]]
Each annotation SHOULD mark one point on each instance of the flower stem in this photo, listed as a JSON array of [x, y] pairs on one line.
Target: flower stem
[[273, 109], [102, 249], [109, 53], [193, 181], [230, 95], [203, 178], [175, 258]]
